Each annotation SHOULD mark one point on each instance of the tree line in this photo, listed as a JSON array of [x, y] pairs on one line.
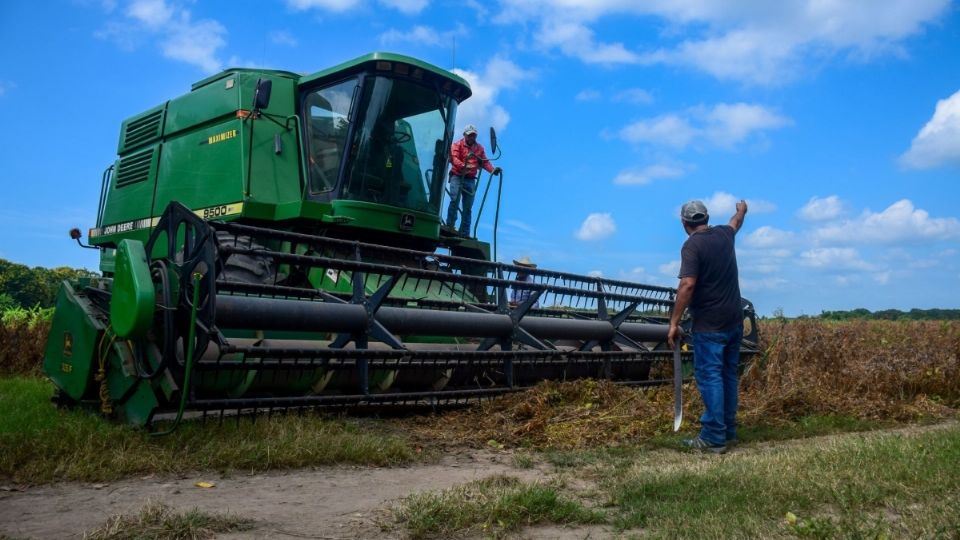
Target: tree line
[[22, 286], [935, 314]]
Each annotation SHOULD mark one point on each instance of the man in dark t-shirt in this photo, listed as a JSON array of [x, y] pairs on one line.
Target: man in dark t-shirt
[[709, 286]]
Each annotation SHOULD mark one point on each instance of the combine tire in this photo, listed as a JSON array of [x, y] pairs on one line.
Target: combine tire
[[244, 268]]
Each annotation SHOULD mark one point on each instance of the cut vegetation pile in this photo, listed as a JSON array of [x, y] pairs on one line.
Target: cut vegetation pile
[[869, 370]]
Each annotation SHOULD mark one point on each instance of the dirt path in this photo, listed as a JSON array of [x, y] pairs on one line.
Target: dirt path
[[330, 502]]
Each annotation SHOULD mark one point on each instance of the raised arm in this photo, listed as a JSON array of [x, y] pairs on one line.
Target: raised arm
[[737, 220]]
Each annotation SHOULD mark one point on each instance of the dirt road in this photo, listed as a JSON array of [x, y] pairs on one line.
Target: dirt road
[[330, 502]]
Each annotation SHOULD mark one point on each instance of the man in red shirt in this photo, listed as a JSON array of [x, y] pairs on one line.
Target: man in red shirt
[[466, 158]]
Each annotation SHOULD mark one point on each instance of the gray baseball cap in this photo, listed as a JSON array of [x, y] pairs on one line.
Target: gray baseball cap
[[469, 129], [694, 212]]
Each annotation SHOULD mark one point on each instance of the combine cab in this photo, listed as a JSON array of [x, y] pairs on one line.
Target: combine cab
[[273, 241]]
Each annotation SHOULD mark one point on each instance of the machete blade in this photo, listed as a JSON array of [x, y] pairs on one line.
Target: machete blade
[[677, 389]]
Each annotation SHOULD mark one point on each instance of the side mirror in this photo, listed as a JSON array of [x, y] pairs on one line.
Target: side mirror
[[261, 96], [493, 140]]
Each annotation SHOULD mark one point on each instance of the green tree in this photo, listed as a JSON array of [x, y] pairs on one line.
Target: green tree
[[29, 287]]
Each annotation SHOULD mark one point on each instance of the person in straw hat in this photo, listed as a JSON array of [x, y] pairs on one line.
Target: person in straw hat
[[518, 295]]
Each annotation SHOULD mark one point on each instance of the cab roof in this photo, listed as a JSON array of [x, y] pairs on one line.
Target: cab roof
[[380, 61]]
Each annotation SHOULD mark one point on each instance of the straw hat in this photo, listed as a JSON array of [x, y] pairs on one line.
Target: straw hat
[[525, 261]]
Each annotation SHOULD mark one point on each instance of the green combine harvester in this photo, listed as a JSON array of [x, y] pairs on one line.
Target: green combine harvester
[[273, 241]]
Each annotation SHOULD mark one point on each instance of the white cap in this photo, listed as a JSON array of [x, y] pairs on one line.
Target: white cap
[[469, 129]]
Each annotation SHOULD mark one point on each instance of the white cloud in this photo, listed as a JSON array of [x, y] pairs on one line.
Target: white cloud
[[765, 267], [152, 13], [597, 226], [821, 209], [329, 5], [729, 124], [6, 86], [900, 222], [764, 251], [595, 273], [637, 96], [195, 43], [634, 177], [576, 39], [725, 125], [760, 206], [763, 284], [178, 36], [281, 37], [938, 143], [410, 7], [722, 204], [520, 225], [419, 35], [481, 108], [768, 237], [923, 263], [742, 54], [762, 43], [671, 268], [667, 130], [834, 259], [638, 275], [587, 95]]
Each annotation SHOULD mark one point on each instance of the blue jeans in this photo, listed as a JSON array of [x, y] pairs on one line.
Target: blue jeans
[[462, 189], [716, 356]]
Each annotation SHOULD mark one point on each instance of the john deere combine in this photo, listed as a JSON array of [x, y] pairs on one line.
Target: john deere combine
[[272, 241]]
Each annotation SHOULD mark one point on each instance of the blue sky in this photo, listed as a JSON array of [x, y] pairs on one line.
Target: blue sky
[[838, 121]]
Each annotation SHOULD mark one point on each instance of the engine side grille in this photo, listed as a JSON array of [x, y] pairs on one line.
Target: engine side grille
[[142, 130], [136, 167]]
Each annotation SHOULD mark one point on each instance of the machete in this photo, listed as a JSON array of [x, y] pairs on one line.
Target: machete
[[677, 389]]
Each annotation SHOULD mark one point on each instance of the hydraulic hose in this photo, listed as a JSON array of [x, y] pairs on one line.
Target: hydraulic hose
[[496, 215], [483, 202], [496, 219], [185, 390]]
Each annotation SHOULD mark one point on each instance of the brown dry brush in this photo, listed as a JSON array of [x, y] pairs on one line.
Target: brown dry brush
[[861, 369], [864, 369]]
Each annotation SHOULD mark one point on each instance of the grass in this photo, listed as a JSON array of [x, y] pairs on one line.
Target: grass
[[800, 428], [157, 521], [40, 444], [890, 484], [492, 505], [854, 486]]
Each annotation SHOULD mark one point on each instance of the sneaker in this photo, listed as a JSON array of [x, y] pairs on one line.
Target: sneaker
[[704, 446], [733, 442]]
